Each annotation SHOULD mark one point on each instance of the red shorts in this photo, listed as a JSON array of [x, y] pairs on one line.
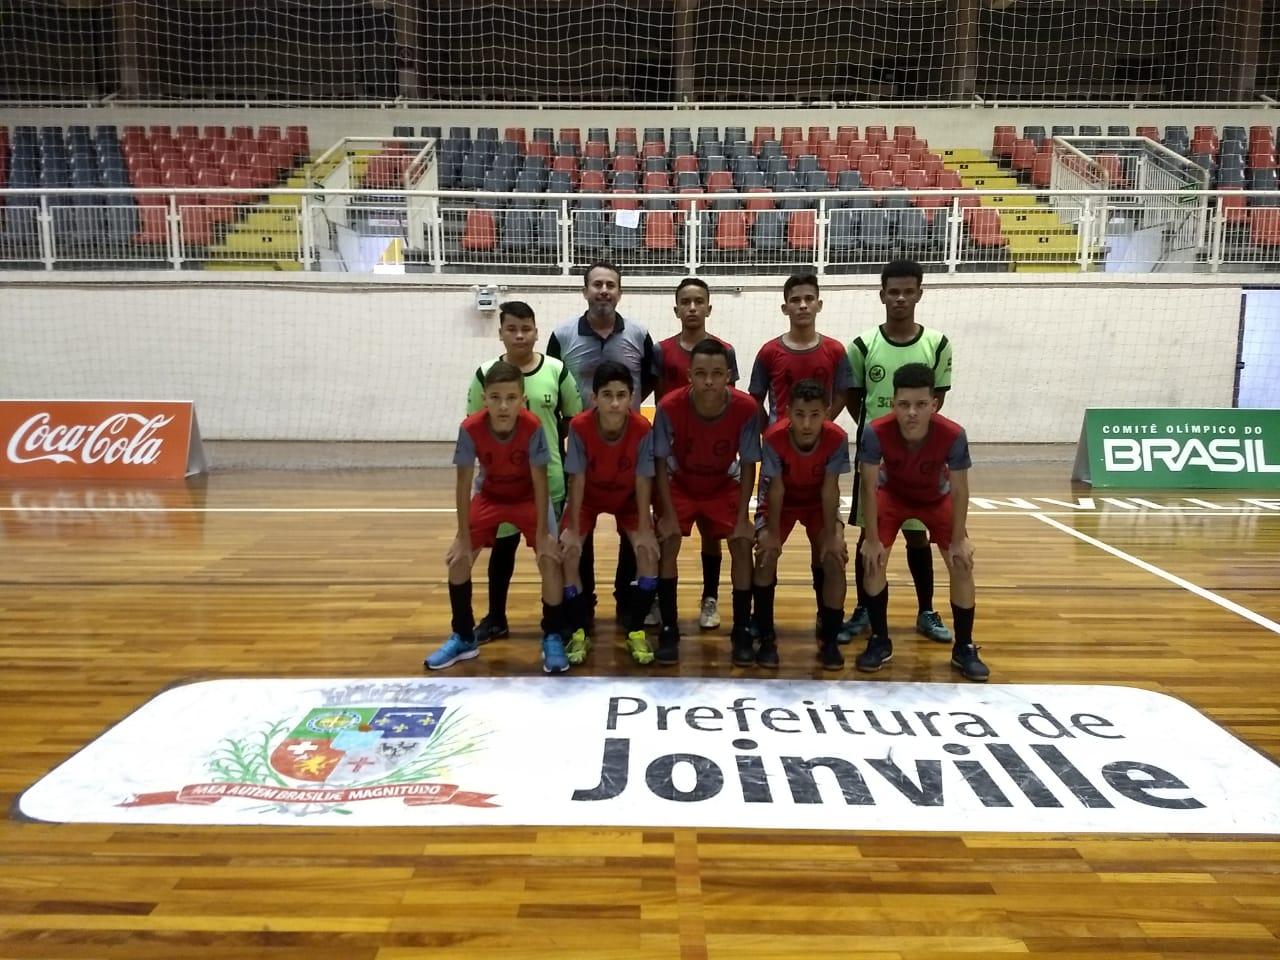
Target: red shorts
[[628, 518], [810, 519], [487, 515], [892, 513], [719, 509]]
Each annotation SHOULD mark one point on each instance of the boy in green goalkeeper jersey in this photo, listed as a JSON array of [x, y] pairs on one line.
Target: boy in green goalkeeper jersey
[[553, 396], [874, 357]]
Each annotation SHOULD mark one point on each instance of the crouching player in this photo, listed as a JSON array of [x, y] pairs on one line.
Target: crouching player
[[915, 463], [610, 469], [802, 458], [511, 445]]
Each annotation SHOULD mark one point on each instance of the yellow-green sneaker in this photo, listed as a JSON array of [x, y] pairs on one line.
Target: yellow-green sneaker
[[578, 646], [638, 646]]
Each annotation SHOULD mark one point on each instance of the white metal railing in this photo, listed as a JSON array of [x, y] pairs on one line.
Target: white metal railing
[[538, 233]]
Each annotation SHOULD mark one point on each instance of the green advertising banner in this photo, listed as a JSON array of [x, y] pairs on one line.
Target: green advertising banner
[[1179, 448]]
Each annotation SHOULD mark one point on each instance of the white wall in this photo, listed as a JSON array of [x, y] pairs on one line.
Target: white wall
[[941, 126], [331, 359], [1260, 350]]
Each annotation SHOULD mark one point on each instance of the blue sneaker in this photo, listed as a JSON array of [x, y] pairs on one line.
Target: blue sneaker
[[453, 650], [930, 625], [554, 659], [859, 622]]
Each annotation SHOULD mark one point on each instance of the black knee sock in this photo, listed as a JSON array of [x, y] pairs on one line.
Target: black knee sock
[[741, 608], [859, 575], [625, 573], [830, 619], [502, 565], [878, 611], [552, 618], [962, 618], [819, 580], [463, 620], [920, 563], [576, 607], [764, 608], [587, 572], [711, 563], [667, 602], [641, 602]]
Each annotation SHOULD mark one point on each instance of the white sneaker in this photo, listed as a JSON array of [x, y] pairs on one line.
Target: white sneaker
[[654, 616], [710, 617]]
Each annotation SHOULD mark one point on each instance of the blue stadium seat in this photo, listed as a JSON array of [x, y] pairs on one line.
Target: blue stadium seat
[[598, 134], [848, 180], [544, 134], [1118, 130], [471, 176], [655, 135], [1090, 130], [1062, 130], [706, 134], [399, 131], [769, 232], [816, 181], [432, 133], [843, 232], [805, 163]]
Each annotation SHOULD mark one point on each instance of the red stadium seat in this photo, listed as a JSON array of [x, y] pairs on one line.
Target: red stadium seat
[[984, 227], [153, 225], [885, 150], [383, 172], [539, 148], [899, 166], [846, 135], [881, 180], [656, 181], [195, 225], [875, 136], [653, 148], [791, 135], [761, 135], [567, 165], [731, 230], [516, 135], [685, 163], [627, 163], [624, 135], [480, 233], [592, 181], [719, 180], [867, 166], [660, 230], [1002, 142], [836, 166], [596, 148], [915, 180], [825, 150], [268, 133], [215, 131], [933, 167], [857, 148], [571, 135], [1234, 208], [1151, 133], [1024, 155], [802, 229], [1114, 168], [1264, 226], [1042, 170], [816, 136]]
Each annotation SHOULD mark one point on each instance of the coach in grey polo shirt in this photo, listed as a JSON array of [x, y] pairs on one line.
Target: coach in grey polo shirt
[[601, 333]]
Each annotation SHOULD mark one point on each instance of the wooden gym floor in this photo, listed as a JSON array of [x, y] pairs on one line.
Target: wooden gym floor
[[109, 595]]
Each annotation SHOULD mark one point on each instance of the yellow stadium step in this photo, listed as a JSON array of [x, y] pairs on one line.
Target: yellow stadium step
[[1014, 198], [977, 168], [255, 265], [963, 155], [244, 241], [1048, 246], [991, 183], [269, 220], [1032, 266], [1022, 220]]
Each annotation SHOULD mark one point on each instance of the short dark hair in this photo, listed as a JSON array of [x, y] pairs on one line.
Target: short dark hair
[[692, 282], [503, 372], [601, 265], [901, 268], [611, 371], [800, 280], [806, 390], [515, 308], [910, 376], [709, 347]]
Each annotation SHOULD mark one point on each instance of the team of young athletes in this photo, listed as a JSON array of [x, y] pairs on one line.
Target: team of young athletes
[[559, 441]]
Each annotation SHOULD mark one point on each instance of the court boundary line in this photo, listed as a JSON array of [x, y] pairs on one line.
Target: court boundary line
[[1151, 568]]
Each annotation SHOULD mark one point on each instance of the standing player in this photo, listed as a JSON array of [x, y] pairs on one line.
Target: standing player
[[915, 463], [671, 368], [553, 397], [510, 443], [874, 358], [801, 354], [610, 469], [601, 333], [801, 459], [703, 428]]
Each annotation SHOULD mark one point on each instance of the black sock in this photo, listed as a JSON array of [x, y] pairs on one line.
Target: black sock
[[831, 619], [878, 611], [587, 572], [463, 621], [819, 580], [764, 608], [711, 563], [625, 573], [962, 618], [552, 618], [502, 565], [640, 604], [920, 563], [576, 609], [667, 602], [741, 608], [859, 576]]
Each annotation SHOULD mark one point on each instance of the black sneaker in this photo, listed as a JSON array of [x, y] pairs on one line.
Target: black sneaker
[[491, 628], [830, 657], [767, 652], [879, 652], [668, 652], [964, 657], [744, 654]]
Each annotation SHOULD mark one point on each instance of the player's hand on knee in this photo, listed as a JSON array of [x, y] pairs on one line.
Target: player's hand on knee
[[646, 547], [960, 554], [768, 549], [874, 554], [457, 553], [570, 545], [547, 548], [834, 548], [743, 530], [668, 529]]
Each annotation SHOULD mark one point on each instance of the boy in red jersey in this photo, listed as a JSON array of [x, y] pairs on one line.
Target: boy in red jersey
[[801, 459], [915, 463], [610, 470], [671, 370], [703, 428], [511, 446], [801, 354]]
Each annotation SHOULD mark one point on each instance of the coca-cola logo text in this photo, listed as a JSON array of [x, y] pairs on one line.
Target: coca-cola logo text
[[127, 438]]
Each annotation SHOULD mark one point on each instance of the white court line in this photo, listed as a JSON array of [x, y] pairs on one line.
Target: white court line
[[1187, 585]]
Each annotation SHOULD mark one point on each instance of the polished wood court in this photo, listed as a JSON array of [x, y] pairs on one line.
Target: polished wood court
[[109, 595]]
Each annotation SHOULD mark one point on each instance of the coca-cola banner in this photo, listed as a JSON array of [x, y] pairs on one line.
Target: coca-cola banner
[[99, 439]]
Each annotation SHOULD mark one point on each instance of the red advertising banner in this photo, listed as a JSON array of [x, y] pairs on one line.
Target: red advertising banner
[[99, 439]]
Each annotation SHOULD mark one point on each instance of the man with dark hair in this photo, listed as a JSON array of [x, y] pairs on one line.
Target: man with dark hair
[[914, 463], [874, 357], [699, 431], [601, 333], [671, 368], [552, 396]]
